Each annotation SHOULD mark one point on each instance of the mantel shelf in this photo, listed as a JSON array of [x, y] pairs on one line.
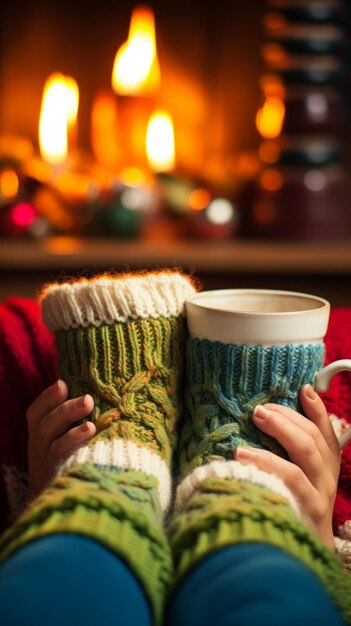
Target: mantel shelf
[[244, 256]]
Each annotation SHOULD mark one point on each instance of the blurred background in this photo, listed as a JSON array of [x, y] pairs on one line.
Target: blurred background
[[211, 136]]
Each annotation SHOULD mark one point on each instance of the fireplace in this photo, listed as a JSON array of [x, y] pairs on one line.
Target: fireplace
[[210, 53], [182, 146]]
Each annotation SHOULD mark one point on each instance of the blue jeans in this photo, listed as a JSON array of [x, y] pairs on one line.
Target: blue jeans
[[65, 580]]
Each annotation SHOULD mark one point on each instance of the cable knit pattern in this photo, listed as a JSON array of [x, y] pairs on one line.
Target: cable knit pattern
[[120, 339], [110, 299], [226, 382], [133, 371], [221, 502]]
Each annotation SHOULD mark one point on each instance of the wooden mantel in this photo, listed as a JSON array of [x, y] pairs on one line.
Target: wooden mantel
[[321, 268], [236, 256]]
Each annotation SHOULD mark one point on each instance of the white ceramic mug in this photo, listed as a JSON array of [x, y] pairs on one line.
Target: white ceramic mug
[[262, 316]]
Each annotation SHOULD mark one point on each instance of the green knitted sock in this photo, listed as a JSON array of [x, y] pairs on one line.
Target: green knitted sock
[[222, 502], [121, 340]]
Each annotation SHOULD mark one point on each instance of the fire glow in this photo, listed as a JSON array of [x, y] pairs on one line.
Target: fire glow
[[136, 72], [160, 142], [125, 132], [136, 69], [58, 117], [270, 117]]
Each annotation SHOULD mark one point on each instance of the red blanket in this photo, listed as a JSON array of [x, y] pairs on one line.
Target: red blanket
[[28, 365]]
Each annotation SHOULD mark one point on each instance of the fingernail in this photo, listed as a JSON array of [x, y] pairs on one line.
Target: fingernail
[[243, 453], [261, 412], [57, 385], [310, 393], [81, 402], [85, 427]]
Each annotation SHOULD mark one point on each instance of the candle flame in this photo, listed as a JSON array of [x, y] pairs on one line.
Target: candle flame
[[270, 118], [136, 69], [160, 142], [58, 116]]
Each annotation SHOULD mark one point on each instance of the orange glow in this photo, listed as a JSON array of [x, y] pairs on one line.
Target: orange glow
[[50, 207], [269, 152], [15, 147], [271, 85], [273, 53], [77, 187], [62, 245], [190, 118], [247, 164], [104, 130], [37, 169], [274, 21], [58, 117], [9, 183], [136, 69], [199, 199], [270, 118], [160, 142], [132, 177], [272, 180]]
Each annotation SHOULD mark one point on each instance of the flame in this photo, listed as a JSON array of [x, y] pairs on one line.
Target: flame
[[136, 69], [160, 142], [58, 117], [270, 118]]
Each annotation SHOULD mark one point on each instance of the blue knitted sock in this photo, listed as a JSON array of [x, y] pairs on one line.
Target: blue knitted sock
[[221, 502], [224, 384]]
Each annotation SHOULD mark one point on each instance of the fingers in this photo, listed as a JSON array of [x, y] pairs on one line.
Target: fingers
[[311, 473], [63, 446], [316, 411], [316, 506], [48, 400], [303, 448], [61, 418], [53, 433], [291, 474], [318, 424]]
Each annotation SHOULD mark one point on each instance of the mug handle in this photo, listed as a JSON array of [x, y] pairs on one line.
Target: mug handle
[[323, 377]]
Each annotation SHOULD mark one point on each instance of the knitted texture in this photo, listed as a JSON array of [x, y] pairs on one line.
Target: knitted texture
[[221, 502], [118, 509], [113, 488], [27, 354], [133, 371], [224, 512], [114, 298], [224, 384], [132, 366]]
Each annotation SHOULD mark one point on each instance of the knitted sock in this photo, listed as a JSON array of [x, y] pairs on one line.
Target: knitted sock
[[222, 502], [224, 384], [121, 340]]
